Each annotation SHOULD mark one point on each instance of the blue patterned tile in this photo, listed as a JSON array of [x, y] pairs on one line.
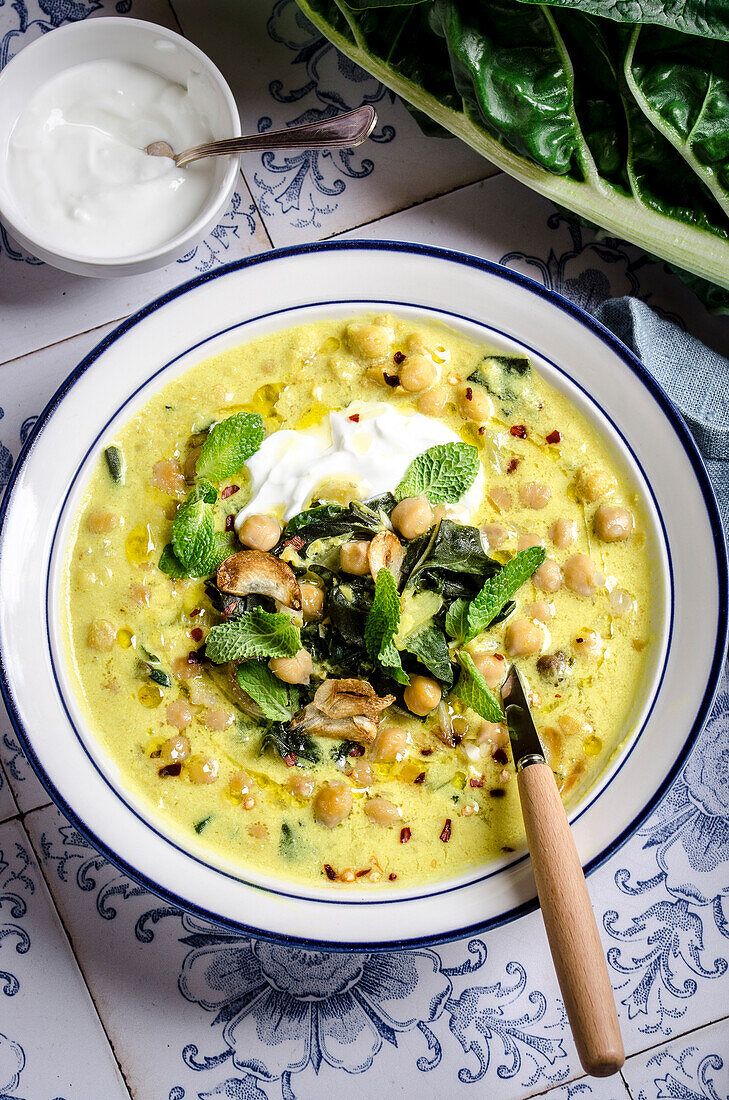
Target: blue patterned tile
[[695, 1067], [8, 807], [591, 1088], [292, 75], [46, 1015]]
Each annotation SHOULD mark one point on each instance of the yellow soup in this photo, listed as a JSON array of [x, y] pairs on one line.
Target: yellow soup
[[297, 711]]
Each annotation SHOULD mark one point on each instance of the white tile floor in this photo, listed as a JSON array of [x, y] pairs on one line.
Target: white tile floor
[[187, 1011]]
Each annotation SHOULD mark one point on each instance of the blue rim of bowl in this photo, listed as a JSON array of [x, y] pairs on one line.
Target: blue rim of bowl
[[565, 306]]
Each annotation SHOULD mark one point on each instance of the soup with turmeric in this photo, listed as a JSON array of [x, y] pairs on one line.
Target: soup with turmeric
[[301, 573]]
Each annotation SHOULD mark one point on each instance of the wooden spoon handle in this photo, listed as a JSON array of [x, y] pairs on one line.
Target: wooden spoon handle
[[570, 922]]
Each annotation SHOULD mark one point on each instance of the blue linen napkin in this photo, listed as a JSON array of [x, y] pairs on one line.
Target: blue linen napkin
[[694, 377]]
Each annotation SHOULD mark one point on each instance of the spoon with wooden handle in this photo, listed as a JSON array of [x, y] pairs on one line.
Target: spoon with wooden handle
[[566, 908], [342, 131]]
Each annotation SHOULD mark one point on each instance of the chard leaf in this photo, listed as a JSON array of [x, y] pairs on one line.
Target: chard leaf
[[382, 625], [442, 474], [115, 463], [428, 644], [452, 553], [255, 633], [709, 18], [290, 745], [499, 589], [229, 444], [473, 690], [277, 700], [456, 620]]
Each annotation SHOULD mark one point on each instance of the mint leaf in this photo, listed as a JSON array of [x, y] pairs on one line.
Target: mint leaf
[[442, 474], [229, 444], [255, 633], [473, 690], [193, 536], [428, 644], [498, 590], [169, 564], [277, 701], [455, 620], [382, 625]]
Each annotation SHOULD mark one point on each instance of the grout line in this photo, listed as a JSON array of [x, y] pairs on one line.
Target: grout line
[[413, 206], [64, 340], [39, 860], [667, 1040], [625, 1083], [256, 207]]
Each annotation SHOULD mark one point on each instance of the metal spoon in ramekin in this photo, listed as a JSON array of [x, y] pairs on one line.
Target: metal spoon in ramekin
[[345, 130]]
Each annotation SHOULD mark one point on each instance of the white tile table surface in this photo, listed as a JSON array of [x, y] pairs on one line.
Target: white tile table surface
[[107, 992]]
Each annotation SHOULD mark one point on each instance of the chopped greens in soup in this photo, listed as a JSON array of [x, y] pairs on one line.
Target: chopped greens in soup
[[299, 577]]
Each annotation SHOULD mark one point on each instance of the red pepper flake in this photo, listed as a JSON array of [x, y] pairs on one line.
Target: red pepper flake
[[155, 754], [499, 656], [229, 491], [196, 634], [330, 872], [391, 379], [482, 430], [519, 431], [506, 848], [477, 781], [469, 393], [229, 521], [419, 778], [457, 738], [500, 756], [290, 759], [354, 418], [392, 876], [356, 750], [426, 752], [364, 871], [497, 792], [405, 835], [194, 657], [170, 769], [398, 358], [554, 437], [195, 611], [295, 542], [445, 836], [512, 465]]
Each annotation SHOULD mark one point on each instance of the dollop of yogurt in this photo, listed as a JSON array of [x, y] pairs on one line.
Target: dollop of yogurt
[[368, 445], [77, 168]]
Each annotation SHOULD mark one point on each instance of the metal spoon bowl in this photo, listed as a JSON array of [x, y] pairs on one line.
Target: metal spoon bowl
[[345, 130]]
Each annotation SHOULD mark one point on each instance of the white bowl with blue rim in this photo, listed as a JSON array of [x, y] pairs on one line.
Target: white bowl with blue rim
[[277, 290], [150, 46]]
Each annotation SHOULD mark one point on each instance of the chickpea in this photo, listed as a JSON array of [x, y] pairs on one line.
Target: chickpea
[[240, 784], [362, 773], [417, 373], [200, 691], [259, 532], [495, 534], [501, 498], [575, 725], [613, 523], [332, 804], [494, 734], [175, 749], [491, 667], [369, 341], [541, 610], [354, 557], [179, 714], [391, 743], [202, 769], [293, 670], [101, 635], [548, 577], [581, 575], [185, 670], [219, 718], [474, 403], [621, 602], [100, 522], [523, 638], [312, 601], [381, 811], [563, 533], [592, 483], [301, 785], [528, 539], [432, 402], [535, 494], [412, 517], [140, 594], [588, 643], [168, 477], [422, 695]]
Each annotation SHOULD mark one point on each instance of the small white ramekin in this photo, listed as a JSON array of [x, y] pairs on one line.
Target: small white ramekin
[[147, 44]]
